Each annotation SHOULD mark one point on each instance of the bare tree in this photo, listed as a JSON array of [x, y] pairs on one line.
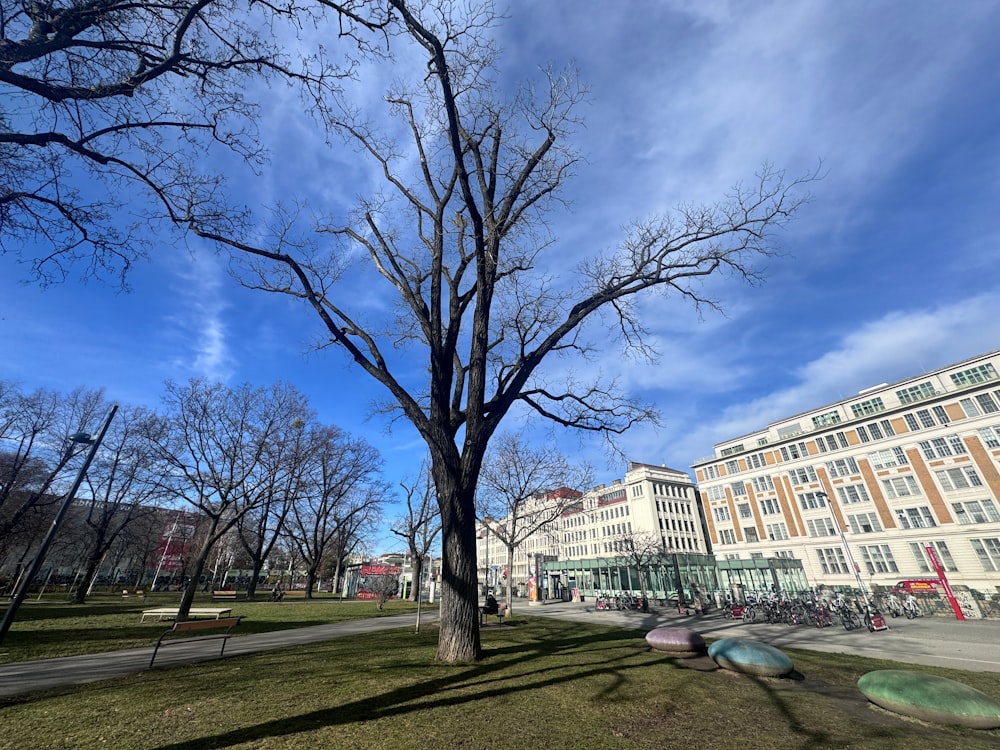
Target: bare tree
[[127, 97], [523, 491], [124, 483], [285, 465], [215, 452], [640, 549], [457, 234], [35, 449], [340, 493], [420, 525]]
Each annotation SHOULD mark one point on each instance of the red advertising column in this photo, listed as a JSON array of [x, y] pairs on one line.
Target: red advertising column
[[944, 582]]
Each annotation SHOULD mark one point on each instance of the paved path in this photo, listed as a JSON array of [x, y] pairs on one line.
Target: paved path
[[931, 641], [28, 676], [934, 641]]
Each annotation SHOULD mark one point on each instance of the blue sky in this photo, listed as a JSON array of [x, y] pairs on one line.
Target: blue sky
[[890, 271]]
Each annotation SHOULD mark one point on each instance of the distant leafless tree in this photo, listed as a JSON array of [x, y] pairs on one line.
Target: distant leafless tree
[[341, 491], [218, 438], [123, 483], [523, 491], [36, 451], [420, 525]]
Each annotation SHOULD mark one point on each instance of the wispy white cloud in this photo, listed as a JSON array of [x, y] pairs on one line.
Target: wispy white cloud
[[196, 321]]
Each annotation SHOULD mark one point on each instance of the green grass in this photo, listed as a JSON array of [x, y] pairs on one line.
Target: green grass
[[545, 684], [53, 628]]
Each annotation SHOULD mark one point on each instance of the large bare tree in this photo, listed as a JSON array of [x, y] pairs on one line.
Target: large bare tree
[[456, 235], [523, 491]]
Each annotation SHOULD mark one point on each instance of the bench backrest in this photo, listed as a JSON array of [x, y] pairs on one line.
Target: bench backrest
[[191, 625]]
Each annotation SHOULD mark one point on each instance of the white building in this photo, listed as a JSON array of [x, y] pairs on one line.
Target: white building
[[908, 472], [652, 500]]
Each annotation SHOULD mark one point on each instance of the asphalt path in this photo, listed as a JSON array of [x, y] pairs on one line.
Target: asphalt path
[[932, 641], [938, 641]]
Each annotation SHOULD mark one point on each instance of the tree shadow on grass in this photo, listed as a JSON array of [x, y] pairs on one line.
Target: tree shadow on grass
[[495, 676]]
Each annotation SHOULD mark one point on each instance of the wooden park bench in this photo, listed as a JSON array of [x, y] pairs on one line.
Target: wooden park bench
[[223, 630], [224, 596], [496, 610]]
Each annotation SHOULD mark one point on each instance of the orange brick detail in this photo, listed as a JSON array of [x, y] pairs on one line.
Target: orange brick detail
[[875, 490], [929, 487]]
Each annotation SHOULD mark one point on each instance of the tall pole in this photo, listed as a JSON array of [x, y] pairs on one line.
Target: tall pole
[[36, 564], [847, 550]]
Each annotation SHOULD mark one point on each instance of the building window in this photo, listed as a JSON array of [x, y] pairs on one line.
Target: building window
[[888, 458], [843, 467], [739, 489], [745, 510], [878, 559], [721, 513], [976, 511], [732, 467], [867, 408], [988, 552], [986, 403], [916, 393], [911, 422], [804, 475], [769, 506], [727, 536], [853, 493], [923, 565], [820, 527], [974, 375], [763, 484], [863, 434], [864, 523], [825, 420], [793, 450], [915, 518], [958, 478], [812, 500], [711, 472], [716, 493], [902, 486], [941, 415], [750, 534], [926, 420], [832, 561], [944, 556], [776, 531], [990, 436]]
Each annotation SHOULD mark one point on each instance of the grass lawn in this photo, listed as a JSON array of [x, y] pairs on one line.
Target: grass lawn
[[545, 684], [53, 627]]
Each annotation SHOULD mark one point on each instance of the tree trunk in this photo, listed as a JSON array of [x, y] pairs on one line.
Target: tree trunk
[[258, 565], [458, 640], [90, 571], [310, 580]]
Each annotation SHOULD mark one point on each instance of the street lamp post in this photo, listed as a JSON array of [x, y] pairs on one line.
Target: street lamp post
[[847, 550], [36, 564]]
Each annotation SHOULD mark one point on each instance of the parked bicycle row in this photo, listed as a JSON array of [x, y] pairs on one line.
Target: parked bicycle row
[[820, 612]]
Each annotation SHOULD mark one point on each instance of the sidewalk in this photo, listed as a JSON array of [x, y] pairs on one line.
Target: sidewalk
[[932, 641], [972, 645], [28, 676]]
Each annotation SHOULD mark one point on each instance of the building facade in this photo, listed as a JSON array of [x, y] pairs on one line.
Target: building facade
[[654, 501], [899, 479]]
